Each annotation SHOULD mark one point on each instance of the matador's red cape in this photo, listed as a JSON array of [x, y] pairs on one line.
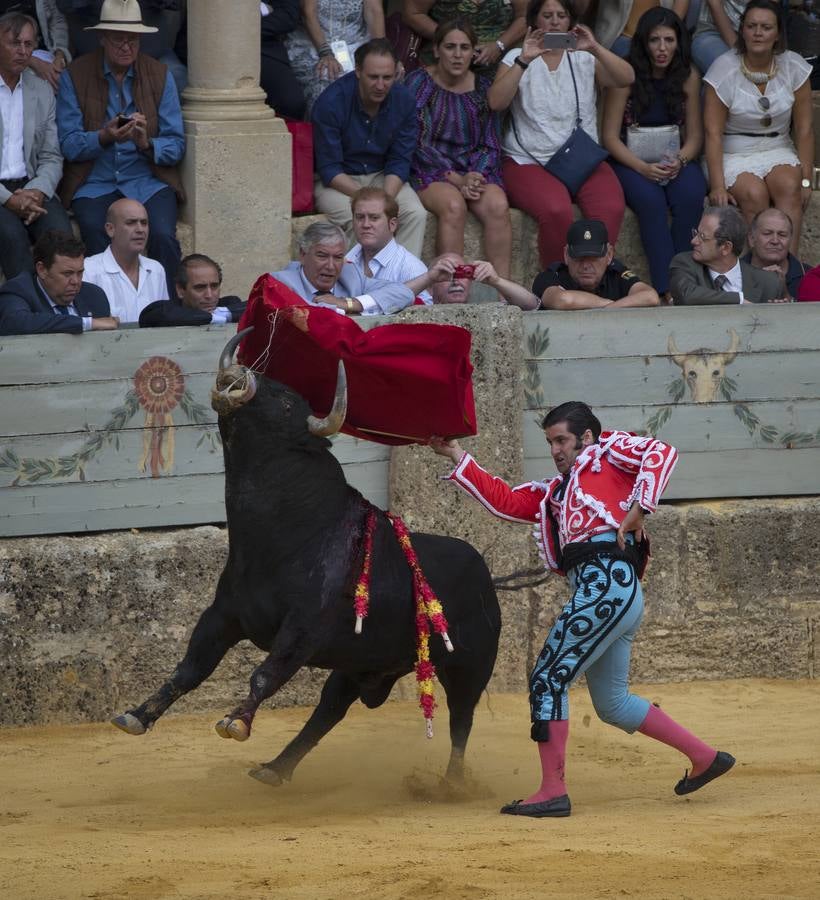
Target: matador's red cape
[[406, 382]]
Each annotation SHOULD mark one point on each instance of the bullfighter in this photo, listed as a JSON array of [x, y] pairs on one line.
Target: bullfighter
[[589, 525]]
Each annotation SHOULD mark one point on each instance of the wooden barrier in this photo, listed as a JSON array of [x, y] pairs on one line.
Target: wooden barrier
[[736, 389], [115, 430]]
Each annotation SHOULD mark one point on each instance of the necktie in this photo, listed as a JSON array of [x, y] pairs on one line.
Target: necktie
[[61, 310], [720, 282]]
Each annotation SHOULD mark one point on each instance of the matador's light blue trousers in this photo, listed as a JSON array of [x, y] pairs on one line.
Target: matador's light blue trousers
[[593, 635]]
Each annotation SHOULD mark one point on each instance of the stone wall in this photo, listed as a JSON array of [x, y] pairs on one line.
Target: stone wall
[[89, 625]]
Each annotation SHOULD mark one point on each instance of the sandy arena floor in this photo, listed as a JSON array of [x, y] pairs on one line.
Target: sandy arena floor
[[89, 812]]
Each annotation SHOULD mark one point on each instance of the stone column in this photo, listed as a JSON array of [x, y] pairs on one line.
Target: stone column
[[237, 165]]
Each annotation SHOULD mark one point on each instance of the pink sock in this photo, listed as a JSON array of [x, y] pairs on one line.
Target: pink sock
[[552, 753], [662, 728]]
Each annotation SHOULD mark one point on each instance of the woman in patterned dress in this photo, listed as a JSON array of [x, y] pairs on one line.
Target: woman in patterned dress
[[324, 24], [498, 24], [457, 163]]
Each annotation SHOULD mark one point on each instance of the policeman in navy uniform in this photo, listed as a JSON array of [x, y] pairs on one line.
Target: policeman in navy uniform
[[590, 277]]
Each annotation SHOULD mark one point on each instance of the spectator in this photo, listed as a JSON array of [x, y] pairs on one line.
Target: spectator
[[322, 277], [364, 133], [55, 300], [754, 96], [323, 49], [130, 280], [166, 17], [51, 55], [197, 300], [590, 277], [716, 30], [121, 133], [617, 21], [713, 272], [457, 163], [498, 24], [457, 279], [30, 161], [376, 253], [769, 237], [537, 85], [278, 80], [810, 286], [666, 92]]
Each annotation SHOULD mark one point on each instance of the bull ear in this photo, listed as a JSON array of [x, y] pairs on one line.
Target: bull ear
[[677, 357], [734, 346], [335, 418]]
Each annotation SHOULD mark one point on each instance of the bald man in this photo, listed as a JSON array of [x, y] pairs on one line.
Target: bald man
[[130, 280]]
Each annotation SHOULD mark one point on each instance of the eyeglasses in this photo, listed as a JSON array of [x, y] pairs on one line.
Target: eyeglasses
[[764, 104], [129, 40], [705, 237]]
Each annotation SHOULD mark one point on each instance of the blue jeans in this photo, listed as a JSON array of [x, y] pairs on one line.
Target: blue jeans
[[593, 635], [16, 238], [162, 227], [652, 203], [706, 48]]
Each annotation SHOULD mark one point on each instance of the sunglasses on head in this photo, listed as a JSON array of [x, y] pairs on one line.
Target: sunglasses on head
[[764, 104]]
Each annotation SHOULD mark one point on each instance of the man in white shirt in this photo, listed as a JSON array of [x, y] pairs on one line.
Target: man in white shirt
[[377, 254], [30, 160], [713, 272], [130, 281]]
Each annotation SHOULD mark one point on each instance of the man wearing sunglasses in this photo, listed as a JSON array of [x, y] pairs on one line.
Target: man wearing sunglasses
[[713, 272], [121, 133]]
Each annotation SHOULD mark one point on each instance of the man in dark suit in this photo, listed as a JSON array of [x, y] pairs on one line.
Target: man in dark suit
[[713, 272], [198, 281], [55, 300]]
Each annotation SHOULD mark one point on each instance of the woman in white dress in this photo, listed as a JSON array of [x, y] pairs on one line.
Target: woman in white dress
[[755, 94]]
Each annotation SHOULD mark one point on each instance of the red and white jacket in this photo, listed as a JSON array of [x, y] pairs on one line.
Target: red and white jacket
[[604, 481]]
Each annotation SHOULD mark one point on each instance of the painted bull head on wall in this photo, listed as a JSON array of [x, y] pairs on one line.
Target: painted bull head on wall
[[703, 368]]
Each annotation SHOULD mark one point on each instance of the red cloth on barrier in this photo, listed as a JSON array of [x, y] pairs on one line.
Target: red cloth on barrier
[[301, 166], [405, 382], [810, 286]]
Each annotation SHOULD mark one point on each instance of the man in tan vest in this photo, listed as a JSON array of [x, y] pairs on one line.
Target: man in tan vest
[[121, 134]]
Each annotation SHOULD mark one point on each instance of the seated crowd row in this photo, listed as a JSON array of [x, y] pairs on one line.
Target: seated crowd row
[[436, 140], [118, 124], [68, 293]]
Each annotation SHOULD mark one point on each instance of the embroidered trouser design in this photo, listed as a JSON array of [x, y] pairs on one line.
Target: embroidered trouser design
[[593, 635]]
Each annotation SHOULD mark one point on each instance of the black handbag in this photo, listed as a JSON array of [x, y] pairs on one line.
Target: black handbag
[[578, 157]]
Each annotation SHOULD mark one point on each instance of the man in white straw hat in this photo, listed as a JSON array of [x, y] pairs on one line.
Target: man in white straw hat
[[121, 133]]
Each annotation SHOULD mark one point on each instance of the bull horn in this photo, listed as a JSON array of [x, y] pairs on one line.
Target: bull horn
[[235, 384], [226, 356], [334, 420], [734, 346], [677, 357]]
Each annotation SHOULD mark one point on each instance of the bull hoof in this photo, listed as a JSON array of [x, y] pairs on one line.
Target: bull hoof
[[267, 775], [129, 724], [232, 728]]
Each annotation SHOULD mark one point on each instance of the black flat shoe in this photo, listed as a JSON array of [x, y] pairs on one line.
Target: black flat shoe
[[555, 808], [720, 766]]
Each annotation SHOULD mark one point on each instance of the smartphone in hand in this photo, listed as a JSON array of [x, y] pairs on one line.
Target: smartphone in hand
[[559, 40]]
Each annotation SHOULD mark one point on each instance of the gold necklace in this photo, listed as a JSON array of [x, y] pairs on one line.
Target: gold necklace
[[758, 77]]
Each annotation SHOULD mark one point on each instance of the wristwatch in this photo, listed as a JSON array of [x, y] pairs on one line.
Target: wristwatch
[[501, 45], [805, 183]]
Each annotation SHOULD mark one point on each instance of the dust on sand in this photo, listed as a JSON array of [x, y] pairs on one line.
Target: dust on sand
[[88, 812]]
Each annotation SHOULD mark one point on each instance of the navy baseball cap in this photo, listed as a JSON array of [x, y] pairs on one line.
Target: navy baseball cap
[[587, 237]]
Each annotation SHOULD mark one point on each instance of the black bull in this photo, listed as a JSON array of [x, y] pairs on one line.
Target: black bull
[[295, 531]]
